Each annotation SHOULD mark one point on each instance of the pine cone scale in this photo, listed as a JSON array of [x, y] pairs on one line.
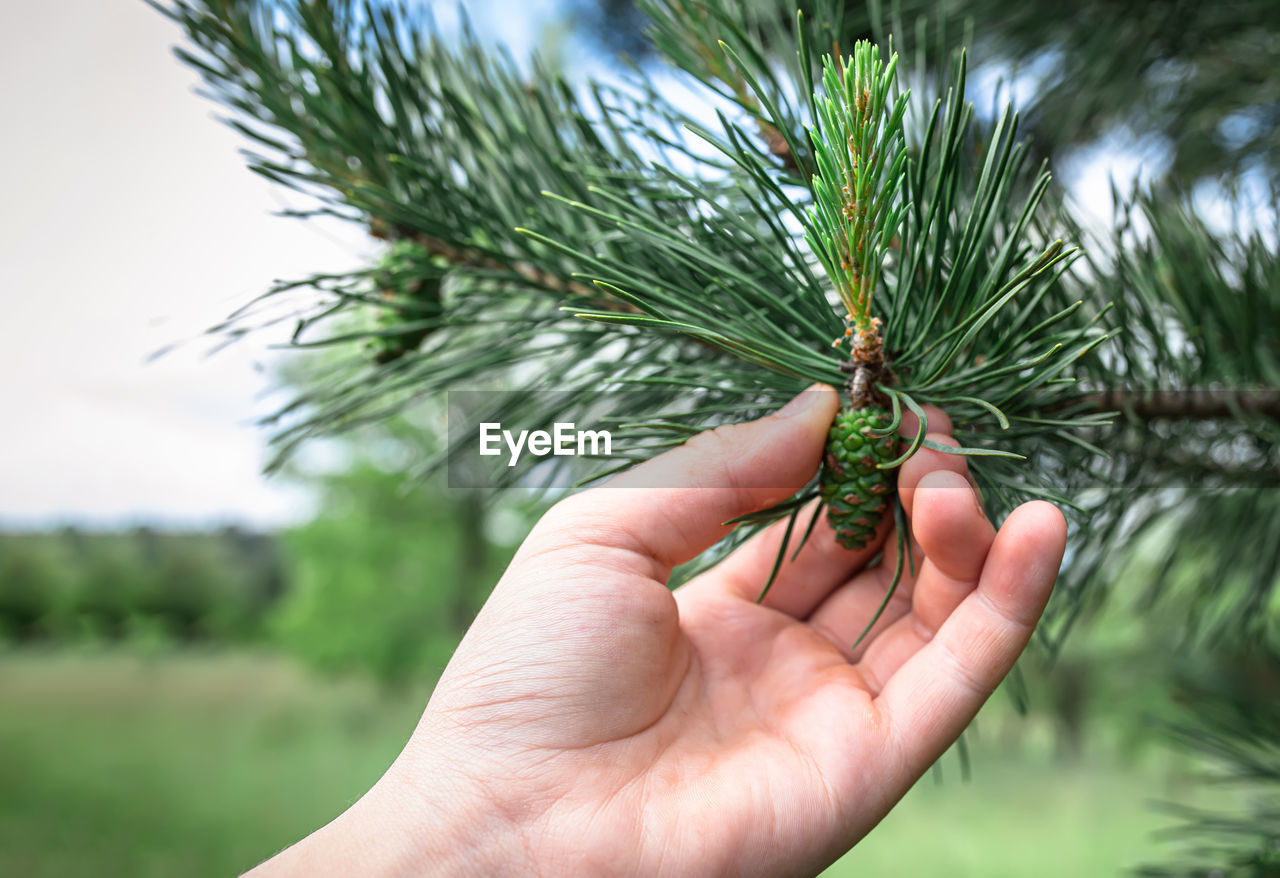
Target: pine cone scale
[[851, 485]]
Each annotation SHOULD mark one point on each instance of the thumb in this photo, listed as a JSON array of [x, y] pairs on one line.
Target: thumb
[[674, 507]]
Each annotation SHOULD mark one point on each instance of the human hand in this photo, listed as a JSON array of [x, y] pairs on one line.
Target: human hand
[[594, 722]]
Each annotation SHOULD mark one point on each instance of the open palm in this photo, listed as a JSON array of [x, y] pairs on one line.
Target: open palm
[[594, 722], [642, 731]]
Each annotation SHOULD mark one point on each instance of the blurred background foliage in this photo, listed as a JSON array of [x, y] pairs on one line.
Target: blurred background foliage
[[72, 585], [385, 579], [189, 702], [382, 582]]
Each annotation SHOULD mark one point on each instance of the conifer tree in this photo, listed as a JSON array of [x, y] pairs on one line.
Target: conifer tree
[[846, 217]]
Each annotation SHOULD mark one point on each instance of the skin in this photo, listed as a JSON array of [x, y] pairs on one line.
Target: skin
[[594, 722]]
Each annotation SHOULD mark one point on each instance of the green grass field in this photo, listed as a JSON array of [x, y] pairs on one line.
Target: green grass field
[[204, 763]]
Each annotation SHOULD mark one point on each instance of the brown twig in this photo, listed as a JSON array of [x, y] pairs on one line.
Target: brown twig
[[469, 258], [1185, 405], [778, 145], [865, 366], [719, 67]]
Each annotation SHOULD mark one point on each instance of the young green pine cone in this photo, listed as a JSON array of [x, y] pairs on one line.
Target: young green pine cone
[[856, 493]]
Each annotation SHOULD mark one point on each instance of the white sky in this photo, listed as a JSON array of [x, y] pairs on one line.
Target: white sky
[[130, 222]]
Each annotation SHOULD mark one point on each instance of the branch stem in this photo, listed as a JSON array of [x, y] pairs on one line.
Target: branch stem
[[1193, 404], [469, 258]]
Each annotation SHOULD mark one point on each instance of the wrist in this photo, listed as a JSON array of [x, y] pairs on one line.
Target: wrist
[[413, 821], [446, 824], [369, 838]]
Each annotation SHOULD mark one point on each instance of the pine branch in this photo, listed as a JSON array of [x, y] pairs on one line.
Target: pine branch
[[454, 151], [462, 257]]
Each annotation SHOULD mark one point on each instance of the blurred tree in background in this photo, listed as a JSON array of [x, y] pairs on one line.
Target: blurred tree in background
[[75, 585], [1197, 79], [36, 582], [388, 575]]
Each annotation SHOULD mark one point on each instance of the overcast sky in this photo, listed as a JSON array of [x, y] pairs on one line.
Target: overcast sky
[[130, 222]]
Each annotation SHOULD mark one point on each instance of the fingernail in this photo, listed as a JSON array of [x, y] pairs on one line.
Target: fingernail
[[802, 401]]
